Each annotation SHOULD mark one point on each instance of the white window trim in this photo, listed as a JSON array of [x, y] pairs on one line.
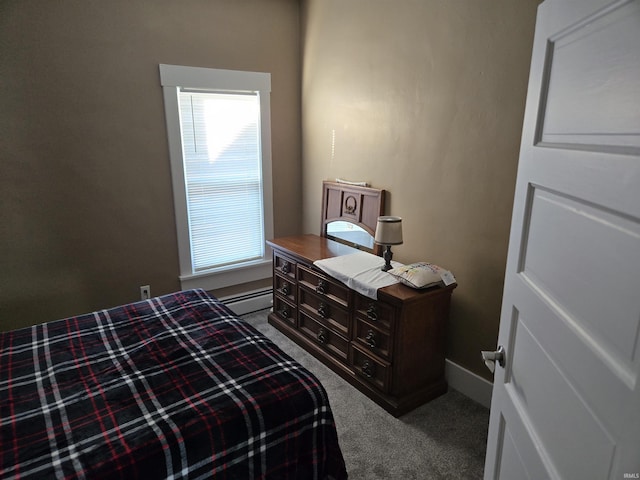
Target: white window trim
[[172, 77]]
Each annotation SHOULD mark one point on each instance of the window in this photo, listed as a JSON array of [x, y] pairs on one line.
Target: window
[[220, 148]]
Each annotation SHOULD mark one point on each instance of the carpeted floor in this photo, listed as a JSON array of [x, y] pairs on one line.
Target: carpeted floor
[[445, 438]]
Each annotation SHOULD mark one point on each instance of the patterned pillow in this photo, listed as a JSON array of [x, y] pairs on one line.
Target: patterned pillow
[[422, 275]]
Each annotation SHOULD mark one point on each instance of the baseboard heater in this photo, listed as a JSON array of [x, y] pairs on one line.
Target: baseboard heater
[[249, 302]]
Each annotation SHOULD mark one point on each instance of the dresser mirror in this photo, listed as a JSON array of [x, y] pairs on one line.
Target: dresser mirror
[[350, 214], [351, 234]]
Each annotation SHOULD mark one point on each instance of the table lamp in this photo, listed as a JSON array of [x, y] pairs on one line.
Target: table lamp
[[388, 232]]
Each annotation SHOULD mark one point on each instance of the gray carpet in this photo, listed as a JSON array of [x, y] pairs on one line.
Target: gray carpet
[[445, 438]]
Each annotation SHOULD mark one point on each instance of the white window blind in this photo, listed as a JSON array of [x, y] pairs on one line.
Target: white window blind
[[223, 177], [219, 137]]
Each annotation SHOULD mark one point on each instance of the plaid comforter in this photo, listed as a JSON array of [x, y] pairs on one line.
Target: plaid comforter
[[173, 387]]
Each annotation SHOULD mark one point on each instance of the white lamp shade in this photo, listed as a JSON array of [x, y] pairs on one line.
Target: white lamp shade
[[389, 231]]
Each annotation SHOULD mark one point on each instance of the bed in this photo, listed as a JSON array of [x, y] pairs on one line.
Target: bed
[[173, 387]]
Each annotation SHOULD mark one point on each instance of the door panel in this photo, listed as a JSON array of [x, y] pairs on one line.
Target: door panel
[[571, 231], [538, 385], [582, 61], [511, 465], [518, 459], [567, 402]]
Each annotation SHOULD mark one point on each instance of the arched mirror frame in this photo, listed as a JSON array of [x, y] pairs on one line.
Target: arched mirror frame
[[359, 206]]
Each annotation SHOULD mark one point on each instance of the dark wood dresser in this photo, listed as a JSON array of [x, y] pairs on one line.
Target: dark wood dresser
[[391, 349]]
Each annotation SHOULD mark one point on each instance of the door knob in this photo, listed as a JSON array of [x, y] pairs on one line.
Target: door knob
[[490, 358]]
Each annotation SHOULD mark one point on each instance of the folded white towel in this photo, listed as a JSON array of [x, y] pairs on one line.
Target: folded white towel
[[359, 271]]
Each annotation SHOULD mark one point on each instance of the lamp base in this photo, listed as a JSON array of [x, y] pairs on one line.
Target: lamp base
[[387, 255]]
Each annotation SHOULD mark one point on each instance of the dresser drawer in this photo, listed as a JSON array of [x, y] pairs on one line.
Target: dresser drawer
[[374, 311], [284, 310], [284, 266], [323, 286], [321, 307], [323, 336], [374, 371], [373, 339], [285, 287]]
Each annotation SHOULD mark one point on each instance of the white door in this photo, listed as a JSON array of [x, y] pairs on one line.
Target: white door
[[566, 404]]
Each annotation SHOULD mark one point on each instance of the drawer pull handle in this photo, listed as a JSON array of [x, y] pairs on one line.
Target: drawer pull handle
[[371, 339], [322, 336], [372, 314], [284, 313], [323, 310], [321, 288], [285, 289], [368, 369], [286, 267]]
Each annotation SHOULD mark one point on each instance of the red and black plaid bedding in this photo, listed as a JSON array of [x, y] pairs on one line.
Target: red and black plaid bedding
[[173, 387]]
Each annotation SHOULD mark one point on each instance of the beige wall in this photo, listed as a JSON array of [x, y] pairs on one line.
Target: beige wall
[[86, 208], [421, 97], [424, 98]]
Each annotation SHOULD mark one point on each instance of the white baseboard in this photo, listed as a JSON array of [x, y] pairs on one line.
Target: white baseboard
[[249, 301], [468, 383]]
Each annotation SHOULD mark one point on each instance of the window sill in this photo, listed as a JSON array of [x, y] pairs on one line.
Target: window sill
[[228, 276]]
